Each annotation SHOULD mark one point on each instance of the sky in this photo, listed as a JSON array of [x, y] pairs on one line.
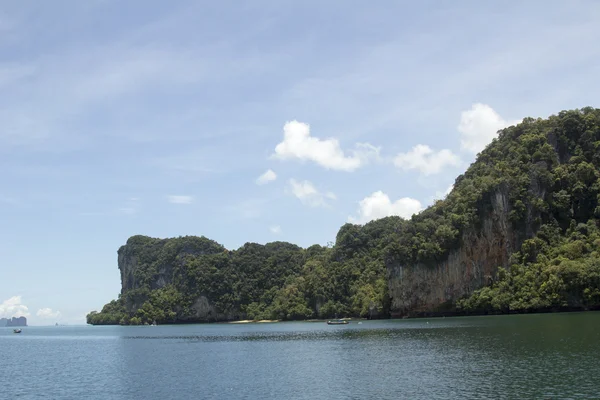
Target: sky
[[251, 122]]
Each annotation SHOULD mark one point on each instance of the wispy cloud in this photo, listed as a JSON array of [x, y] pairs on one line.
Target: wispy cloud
[[267, 177], [177, 199], [73, 85], [306, 192], [275, 229], [53, 95], [131, 206], [48, 313]]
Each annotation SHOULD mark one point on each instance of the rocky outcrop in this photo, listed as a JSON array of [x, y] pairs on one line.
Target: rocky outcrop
[[432, 289], [135, 256], [14, 321], [421, 289], [146, 262], [491, 240]]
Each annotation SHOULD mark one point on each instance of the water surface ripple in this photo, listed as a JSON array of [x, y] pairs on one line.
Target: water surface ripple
[[534, 356]]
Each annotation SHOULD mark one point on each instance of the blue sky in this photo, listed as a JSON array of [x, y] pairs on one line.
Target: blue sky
[[270, 120]]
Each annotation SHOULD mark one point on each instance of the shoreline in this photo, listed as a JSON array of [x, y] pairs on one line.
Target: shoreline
[[253, 321], [475, 313], [421, 315], [262, 321]]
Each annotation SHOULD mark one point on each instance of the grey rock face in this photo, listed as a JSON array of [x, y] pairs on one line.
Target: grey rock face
[[417, 289]]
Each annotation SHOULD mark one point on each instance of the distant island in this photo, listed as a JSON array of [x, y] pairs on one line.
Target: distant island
[[14, 321], [519, 232]]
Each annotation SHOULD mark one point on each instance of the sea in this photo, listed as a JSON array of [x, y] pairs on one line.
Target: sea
[[533, 356]]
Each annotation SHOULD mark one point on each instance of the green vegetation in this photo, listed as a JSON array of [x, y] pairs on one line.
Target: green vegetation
[[554, 182], [550, 272], [274, 281], [549, 169]]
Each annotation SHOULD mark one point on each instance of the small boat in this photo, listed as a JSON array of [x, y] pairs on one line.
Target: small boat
[[337, 322], [16, 330]]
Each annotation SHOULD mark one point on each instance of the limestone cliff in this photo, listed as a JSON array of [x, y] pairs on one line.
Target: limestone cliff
[[538, 173], [195, 279], [419, 289], [149, 263]]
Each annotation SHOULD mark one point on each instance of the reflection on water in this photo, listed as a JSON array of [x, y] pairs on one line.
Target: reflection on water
[[276, 336], [502, 357]]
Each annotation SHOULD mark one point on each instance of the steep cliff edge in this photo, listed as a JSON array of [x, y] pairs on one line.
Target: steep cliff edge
[[149, 264], [428, 289], [540, 174]]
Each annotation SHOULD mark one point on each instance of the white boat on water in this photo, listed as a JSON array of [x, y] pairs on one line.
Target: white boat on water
[[17, 330], [337, 322]]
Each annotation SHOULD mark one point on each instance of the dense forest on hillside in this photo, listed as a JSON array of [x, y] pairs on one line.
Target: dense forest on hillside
[[274, 281], [550, 169]]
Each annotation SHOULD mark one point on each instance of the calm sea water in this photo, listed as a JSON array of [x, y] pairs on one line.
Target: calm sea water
[[546, 356]]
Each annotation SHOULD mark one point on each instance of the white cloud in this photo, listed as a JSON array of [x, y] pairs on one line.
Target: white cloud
[[479, 125], [13, 307], [427, 161], [276, 229], [308, 194], [267, 177], [180, 199], [379, 205], [297, 143], [47, 313]]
